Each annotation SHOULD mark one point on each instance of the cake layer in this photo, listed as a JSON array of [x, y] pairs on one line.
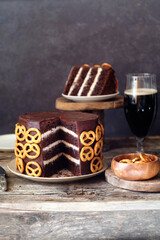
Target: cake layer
[[55, 166], [93, 85], [78, 81], [54, 130], [57, 143], [58, 147], [68, 156], [74, 72], [57, 133]]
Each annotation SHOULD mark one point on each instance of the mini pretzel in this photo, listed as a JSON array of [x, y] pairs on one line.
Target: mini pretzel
[[135, 159], [87, 138], [126, 161], [36, 172], [145, 157], [96, 164], [97, 66], [32, 148], [86, 65], [19, 164], [140, 161], [106, 65], [36, 138], [19, 150], [88, 155], [20, 132], [102, 128], [117, 84], [98, 147], [101, 155], [98, 133]]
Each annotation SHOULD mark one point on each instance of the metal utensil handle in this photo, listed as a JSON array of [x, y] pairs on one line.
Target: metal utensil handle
[[3, 183]]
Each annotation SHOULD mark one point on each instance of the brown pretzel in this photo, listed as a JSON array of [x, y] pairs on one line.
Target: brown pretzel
[[126, 161], [19, 164], [86, 65], [96, 164], [102, 128], [87, 138], [140, 161], [101, 155], [20, 132], [36, 172], [135, 159], [145, 157], [36, 138], [97, 66], [98, 147], [98, 133], [106, 65], [31, 148], [19, 150], [117, 84], [86, 154]]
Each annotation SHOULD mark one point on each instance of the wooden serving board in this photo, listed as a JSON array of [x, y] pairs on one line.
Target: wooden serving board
[[65, 104], [151, 185]]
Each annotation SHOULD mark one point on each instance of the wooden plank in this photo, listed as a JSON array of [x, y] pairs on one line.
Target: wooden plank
[[65, 104], [98, 206], [81, 225], [88, 209], [150, 185]]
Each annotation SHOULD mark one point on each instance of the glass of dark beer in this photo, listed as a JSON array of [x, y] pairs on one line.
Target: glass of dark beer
[[140, 104]]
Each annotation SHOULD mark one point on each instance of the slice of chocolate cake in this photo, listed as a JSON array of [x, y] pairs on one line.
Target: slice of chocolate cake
[[91, 81], [50, 141]]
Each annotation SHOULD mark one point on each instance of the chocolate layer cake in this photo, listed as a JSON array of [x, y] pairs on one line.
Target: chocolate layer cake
[[50, 141], [91, 81]]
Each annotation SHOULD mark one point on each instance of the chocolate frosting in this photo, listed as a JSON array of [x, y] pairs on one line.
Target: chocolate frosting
[[46, 120], [40, 116]]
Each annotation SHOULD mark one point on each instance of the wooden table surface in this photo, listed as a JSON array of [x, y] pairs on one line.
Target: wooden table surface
[[87, 209]]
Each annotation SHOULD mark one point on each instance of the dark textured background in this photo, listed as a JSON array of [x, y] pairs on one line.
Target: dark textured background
[[40, 40]]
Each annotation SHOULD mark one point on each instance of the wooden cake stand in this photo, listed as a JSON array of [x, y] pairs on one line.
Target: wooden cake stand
[[92, 107]]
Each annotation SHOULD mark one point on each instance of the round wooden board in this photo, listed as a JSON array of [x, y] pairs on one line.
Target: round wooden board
[[151, 185], [65, 104]]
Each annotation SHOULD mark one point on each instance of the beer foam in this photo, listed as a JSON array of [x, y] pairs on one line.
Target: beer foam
[[140, 91]]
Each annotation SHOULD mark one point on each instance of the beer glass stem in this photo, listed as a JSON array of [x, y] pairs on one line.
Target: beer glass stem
[[139, 143]]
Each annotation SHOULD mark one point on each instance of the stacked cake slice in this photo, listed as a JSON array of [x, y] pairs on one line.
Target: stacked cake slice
[[91, 81]]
